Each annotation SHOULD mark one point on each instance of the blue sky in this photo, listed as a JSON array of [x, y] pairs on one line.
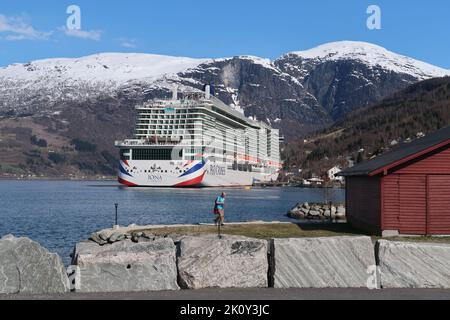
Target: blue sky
[[32, 30]]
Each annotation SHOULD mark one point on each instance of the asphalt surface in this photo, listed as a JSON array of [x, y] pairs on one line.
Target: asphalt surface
[[252, 294]]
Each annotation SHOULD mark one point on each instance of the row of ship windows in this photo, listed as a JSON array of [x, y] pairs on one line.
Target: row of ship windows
[[190, 124], [143, 118], [198, 139], [213, 150], [169, 127], [165, 133], [156, 170], [170, 110], [143, 130], [234, 167], [157, 154], [169, 154], [172, 114], [167, 122], [180, 114]]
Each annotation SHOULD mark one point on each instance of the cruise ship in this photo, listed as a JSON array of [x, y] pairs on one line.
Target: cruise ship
[[196, 140]]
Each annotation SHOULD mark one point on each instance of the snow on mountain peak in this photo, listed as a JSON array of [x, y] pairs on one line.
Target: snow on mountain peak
[[64, 79], [113, 67], [119, 68], [374, 56], [341, 49], [266, 63]]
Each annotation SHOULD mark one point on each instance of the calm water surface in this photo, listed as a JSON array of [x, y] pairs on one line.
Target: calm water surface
[[60, 214]]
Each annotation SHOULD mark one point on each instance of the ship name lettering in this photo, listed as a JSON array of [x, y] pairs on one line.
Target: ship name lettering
[[154, 178], [217, 170]]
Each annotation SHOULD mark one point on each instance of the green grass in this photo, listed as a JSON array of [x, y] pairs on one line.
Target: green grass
[[12, 169], [264, 231], [278, 230]]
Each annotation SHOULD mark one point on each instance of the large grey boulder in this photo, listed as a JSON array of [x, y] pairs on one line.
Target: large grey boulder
[[126, 266], [231, 262], [26, 267], [322, 262], [414, 265], [85, 248]]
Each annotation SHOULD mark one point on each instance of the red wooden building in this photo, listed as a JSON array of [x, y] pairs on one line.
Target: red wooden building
[[405, 191]]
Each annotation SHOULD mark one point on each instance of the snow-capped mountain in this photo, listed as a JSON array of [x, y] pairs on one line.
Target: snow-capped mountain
[[372, 55], [115, 68], [36, 86], [299, 92], [344, 76], [91, 99]]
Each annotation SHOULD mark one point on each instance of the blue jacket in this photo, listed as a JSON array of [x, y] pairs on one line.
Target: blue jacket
[[220, 202]]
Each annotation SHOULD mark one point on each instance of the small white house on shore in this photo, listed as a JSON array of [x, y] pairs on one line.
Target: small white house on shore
[[316, 181], [333, 174]]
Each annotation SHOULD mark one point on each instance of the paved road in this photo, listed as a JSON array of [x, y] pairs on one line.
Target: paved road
[[254, 294]]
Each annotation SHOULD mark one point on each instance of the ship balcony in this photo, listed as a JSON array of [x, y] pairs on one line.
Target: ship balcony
[[148, 142], [168, 103]]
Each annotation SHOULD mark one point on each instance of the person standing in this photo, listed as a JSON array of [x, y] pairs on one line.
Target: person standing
[[219, 209]]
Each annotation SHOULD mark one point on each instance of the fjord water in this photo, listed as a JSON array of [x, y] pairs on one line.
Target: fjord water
[[58, 214]]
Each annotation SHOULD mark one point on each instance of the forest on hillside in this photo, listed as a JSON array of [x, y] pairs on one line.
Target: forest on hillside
[[407, 115]]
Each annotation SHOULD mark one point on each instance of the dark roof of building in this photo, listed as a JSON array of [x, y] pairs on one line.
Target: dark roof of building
[[403, 153]]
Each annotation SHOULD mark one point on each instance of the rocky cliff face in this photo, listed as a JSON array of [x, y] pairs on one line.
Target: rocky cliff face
[[345, 76], [344, 86], [263, 91]]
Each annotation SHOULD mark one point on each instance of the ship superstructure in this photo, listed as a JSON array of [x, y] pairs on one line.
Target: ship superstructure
[[198, 141]]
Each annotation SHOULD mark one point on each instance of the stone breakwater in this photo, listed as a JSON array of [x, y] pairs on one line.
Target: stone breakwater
[[139, 261], [126, 266], [318, 211], [323, 262], [414, 265], [231, 262]]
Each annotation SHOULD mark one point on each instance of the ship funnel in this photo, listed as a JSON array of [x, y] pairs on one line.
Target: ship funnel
[[207, 92], [175, 94]]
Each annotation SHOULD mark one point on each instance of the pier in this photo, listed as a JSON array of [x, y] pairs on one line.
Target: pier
[[271, 184]]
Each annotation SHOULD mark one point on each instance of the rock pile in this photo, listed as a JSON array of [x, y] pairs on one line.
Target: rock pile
[[110, 236], [318, 211]]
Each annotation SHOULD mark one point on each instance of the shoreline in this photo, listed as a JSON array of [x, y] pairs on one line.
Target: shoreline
[[264, 258], [110, 179], [114, 179]]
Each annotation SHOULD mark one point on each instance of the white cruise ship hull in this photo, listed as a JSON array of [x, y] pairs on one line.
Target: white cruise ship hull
[[187, 175]]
